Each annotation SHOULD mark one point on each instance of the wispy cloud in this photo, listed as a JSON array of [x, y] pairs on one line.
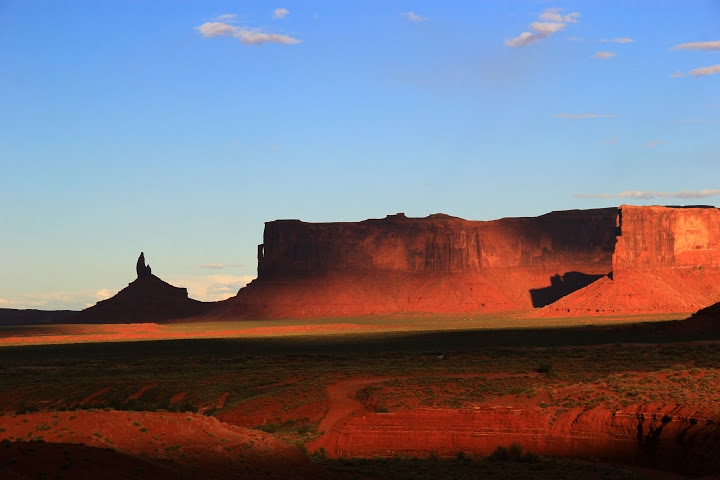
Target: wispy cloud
[[708, 46], [677, 74], [226, 17], [414, 17], [703, 71], [654, 143], [216, 266], [582, 116], [618, 40], [604, 55], [554, 15], [211, 288], [104, 294], [279, 13], [610, 141], [552, 21], [248, 36], [640, 195]]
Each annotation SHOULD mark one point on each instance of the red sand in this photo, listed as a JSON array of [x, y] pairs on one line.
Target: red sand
[[165, 445]]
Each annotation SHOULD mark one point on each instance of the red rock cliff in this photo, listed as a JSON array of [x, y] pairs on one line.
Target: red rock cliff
[[666, 259], [443, 264], [654, 237], [438, 264]]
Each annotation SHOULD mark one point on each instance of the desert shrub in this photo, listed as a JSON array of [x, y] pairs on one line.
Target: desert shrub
[[462, 456], [512, 454], [544, 367], [307, 428], [268, 427]]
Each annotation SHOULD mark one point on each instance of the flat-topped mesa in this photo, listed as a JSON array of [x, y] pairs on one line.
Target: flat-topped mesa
[[437, 264], [439, 244]]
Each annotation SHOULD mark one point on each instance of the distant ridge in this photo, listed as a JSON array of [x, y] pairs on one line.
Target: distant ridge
[[15, 317]]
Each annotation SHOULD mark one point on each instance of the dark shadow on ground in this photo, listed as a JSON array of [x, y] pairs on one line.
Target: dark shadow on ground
[[561, 285]]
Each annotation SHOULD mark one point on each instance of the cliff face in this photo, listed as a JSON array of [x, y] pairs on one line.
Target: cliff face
[[655, 237], [443, 264], [666, 260], [438, 244]]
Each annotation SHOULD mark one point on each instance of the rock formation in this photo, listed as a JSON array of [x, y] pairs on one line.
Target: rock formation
[[603, 261], [666, 259], [142, 269], [654, 435], [147, 299]]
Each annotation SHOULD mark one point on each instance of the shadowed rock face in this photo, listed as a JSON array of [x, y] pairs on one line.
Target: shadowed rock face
[[148, 299], [145, 300], [142, 269], [443, 264]]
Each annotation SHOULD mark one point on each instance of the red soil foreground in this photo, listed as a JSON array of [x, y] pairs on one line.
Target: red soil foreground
[[114, 444], [654, 435]]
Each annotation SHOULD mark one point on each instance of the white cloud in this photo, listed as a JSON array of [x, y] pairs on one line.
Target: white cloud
[[211, 288], [226, 17], [216, 266], [711, 46], [638, 195], [618, 40], [580, 116], [104, 294], [554, 15], [279, 13], [216, 29], [552, 22], [604, 55], [677, 74], [256, 37], [654, 143], [702, 71], [546, 29], [246, 35], [414, 17]]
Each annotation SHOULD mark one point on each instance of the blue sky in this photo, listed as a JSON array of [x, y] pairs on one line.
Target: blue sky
[[179, 128]]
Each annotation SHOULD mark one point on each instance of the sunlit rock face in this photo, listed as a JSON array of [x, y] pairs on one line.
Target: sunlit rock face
[[579, 262], [666, 259]]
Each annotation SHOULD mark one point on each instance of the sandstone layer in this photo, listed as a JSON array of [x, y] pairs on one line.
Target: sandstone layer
[[653, 435], [581, 262]]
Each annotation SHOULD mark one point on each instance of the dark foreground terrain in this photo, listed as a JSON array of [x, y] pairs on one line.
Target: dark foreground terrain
[[633, 401]]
